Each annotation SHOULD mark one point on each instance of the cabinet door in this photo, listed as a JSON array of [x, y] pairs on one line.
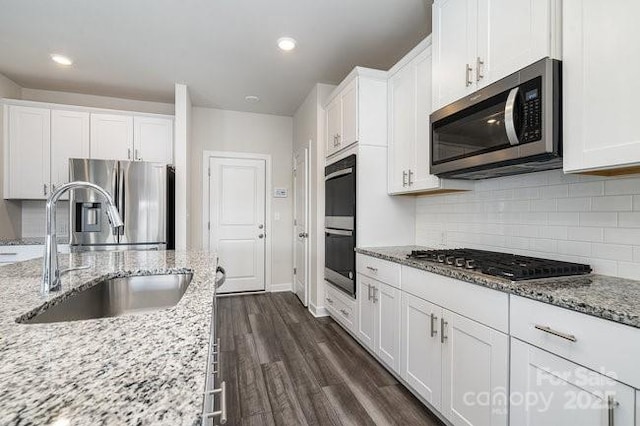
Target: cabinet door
[[511, 35], [366, 312], [421, 177], [349, 100], [111, 137], [421, 349], [550, 391], [387, 301], [599, 84], [28, 153], [454, 49], [69, 139], [475, 372], [153, 139], [334, 125], [402, 126]]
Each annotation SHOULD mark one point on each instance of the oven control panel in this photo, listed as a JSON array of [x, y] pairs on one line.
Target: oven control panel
[[532, 119]]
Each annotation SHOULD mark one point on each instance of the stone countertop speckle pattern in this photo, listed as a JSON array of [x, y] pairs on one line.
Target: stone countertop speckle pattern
[[143, 369], [611, 298], [30, 241]]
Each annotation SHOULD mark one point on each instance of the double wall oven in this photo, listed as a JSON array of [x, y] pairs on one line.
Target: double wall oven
[[340, 221]]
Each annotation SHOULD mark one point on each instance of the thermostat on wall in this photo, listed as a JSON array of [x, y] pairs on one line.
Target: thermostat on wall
[[280, 193]]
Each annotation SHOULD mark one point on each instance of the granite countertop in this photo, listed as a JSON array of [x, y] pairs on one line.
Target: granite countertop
[[30, 241], [611, 298], [143, 368]]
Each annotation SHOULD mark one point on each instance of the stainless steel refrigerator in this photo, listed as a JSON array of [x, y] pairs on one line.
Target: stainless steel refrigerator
[[142, 192]]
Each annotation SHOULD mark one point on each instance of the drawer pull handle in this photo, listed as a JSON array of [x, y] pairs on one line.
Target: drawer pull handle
[[434, 330], [345, 313], [222, 413], [330, 300], [8, 254], [549, 330], [372, 269]]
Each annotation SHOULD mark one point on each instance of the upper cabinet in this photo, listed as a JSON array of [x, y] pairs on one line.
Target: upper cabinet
[[39, 140], [600, 84], [27, 152], [355, 109], [111, 137], [477, 42], [342, 119], [409, 138]]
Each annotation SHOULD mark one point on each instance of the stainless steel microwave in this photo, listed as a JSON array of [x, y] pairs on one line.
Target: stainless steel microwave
[[509, 127]]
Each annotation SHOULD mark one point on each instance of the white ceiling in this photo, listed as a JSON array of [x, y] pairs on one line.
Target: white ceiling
[[223, 49]]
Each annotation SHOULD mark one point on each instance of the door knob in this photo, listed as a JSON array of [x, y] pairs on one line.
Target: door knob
[[303, 235], [261, 236], [260, 226]]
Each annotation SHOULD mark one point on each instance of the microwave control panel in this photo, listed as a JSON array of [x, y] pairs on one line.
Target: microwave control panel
[[532, 129]]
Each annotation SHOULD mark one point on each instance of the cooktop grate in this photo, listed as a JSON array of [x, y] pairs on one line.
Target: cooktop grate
[[510, 266]]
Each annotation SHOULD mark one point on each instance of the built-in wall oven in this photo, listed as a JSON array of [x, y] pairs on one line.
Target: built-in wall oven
[[340, 221]]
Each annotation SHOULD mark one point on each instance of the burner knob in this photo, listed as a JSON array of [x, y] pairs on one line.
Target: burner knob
[[470, 264], [449, 260], [440, 258], [460, 262]]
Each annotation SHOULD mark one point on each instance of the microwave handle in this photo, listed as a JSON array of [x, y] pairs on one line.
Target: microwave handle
[[509, 110], [338, 232]]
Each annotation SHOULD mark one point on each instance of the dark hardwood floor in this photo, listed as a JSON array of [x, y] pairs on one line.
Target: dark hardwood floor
[[282, 366]]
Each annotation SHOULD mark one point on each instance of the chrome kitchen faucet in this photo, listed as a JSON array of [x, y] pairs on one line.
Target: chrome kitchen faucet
[[51, 273]]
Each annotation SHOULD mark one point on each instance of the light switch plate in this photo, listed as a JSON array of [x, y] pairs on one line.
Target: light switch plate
[[280, 192]]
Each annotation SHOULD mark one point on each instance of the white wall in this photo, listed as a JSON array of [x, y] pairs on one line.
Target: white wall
[[10, 214], [584, 219], [69, 98], [308, 132], [232, 131]]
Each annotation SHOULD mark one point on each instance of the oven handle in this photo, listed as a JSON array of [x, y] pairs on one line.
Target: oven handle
[[338, 173], [338, 232], [509, 109]]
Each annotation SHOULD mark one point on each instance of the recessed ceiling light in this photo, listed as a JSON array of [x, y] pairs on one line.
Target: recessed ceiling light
[[286, 43], [252, 99], [61, 59]]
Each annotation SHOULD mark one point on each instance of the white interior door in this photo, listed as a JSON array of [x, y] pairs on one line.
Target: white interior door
[[301, 226], [237, 198]]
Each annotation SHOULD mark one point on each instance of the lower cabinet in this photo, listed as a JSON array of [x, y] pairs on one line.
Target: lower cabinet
[[548, 390], [421, 363], [457, 365], [475, 367], [379, 319]]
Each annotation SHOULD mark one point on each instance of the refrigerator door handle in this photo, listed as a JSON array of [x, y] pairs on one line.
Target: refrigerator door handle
[[121, 198]]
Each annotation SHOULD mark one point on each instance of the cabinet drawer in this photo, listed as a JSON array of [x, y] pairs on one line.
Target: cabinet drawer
[[595, 343], [381, 270], [341, 307], [481, 304]]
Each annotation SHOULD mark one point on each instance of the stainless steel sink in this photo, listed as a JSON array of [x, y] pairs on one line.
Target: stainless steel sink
[[118, 296]]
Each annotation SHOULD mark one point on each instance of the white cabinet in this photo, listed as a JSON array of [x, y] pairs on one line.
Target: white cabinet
[[111, 137], [127, 137], [553, 391], [342, 118], [477, 42], [475, 371], [421, 349], [379, 319], [69, 139], [599, 85], [409, 108], [153, 139], [27, 152]]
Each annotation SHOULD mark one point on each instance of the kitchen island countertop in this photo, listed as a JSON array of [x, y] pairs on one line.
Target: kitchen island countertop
[[143, 368]]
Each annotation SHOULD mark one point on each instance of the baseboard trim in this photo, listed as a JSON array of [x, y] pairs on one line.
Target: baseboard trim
[[318, 311], [277, 288]]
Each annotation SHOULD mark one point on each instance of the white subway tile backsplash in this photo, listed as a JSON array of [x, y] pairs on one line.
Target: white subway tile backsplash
[[587, 219], [598, 219], [616, 203], [582, 189]]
